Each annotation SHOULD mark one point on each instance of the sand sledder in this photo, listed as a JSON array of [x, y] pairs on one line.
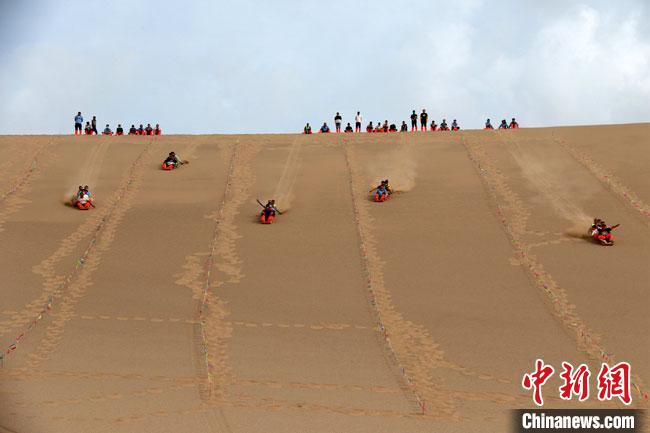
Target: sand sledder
[[382, 192], [601, 233], [83, 199], [269, 211], [173, 161]]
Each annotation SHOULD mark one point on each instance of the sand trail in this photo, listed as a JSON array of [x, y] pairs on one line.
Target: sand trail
[[67, 289], [174, 310], [514, 214]]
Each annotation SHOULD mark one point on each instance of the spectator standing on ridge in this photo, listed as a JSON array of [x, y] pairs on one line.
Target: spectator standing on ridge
[[78, 124], [358, 119], [337, 121], [414, 121], [93, 125], [423, 120]]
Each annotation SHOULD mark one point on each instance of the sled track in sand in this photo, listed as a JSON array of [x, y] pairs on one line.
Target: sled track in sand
[[410, 346], [71, 288], [13, 197], [608, 180], [513, 215]]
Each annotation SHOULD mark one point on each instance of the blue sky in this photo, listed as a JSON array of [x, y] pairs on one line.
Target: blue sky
[[253, 66]]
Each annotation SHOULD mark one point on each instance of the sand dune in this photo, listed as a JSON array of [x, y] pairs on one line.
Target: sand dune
[[170, 308]]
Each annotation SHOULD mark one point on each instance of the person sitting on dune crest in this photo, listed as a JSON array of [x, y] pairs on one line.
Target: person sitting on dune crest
[[157, 130], [307, 129], [488, 124], [370, 128], [140, 130], [119, 130], [107, 130], [443, 125], [88, 130], [324, 129], [434, 127], [348, 129], [392, 128], [132, 130], [504, 124], [454, 126], [513, 124], [404, 127], [148, 130]]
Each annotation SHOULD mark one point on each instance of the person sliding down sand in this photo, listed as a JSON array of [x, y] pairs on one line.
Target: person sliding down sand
[[83, 198], [174, 160], [600, 232], [269, 210], [383, 189]]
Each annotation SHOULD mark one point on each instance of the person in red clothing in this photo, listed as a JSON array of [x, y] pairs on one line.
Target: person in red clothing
[[157, 130], [148, 130], [513, 124], [140, 130]]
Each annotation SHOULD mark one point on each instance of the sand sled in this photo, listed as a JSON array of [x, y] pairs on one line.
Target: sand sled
[[381, 197], [168, 167], [603, 239], [82, 206], [266, 219]]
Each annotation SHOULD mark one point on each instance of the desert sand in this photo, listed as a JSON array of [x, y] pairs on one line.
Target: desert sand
[[169, 308]]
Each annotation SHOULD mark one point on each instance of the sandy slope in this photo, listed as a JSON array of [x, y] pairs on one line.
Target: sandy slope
[[170, 308]]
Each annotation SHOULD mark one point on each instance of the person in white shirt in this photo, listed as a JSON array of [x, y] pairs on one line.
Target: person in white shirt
[[358, 120]]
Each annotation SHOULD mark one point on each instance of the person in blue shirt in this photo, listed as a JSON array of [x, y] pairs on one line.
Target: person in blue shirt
[[504, 124], [78, 123], [324, 129]]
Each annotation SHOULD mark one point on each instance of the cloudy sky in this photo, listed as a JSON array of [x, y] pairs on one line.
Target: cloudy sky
[[248, 66]]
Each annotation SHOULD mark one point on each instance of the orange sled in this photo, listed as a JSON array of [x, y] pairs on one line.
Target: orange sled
[[265, 220], [82, 206], [168, 166], [380, 198]]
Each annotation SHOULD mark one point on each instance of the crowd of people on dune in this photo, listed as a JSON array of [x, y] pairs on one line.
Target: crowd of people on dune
[[423, 119], [91, 128]]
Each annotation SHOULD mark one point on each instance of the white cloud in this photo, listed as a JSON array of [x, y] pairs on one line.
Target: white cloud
[[258, 66]]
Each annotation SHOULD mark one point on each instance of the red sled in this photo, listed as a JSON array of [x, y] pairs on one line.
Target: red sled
[[83, 206], [380, 197], [265, 220], [168, 167]]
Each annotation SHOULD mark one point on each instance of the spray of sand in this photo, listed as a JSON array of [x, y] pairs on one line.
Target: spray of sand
[[88, 172], [398, 166], [283, 194], [550, 179]]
